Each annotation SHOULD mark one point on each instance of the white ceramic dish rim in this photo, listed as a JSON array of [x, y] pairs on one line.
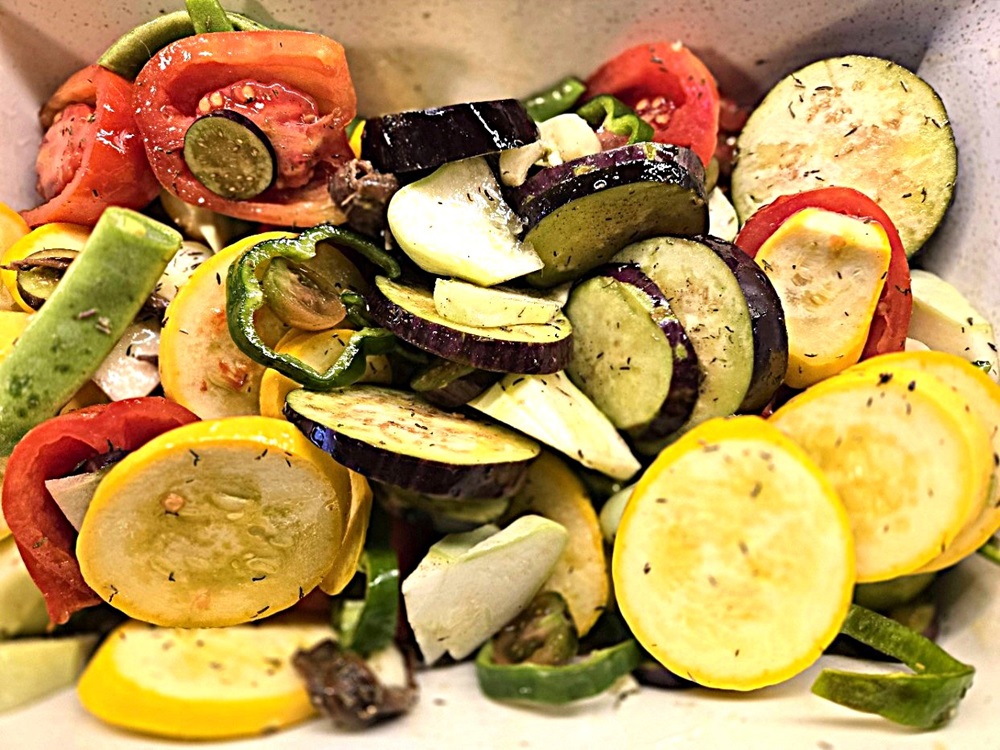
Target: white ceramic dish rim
[[438, 51]]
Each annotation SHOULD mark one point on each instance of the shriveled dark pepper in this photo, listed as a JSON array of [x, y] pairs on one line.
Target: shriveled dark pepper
[[616, 117], [245, 295]]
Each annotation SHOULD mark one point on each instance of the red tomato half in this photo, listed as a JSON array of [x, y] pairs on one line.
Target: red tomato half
[[296, 88], [669, 88], [895, 305], [92, 156], [54, 449]]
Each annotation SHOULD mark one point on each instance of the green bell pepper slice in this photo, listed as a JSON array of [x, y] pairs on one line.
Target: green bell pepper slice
[[616, 117], [245, 295], [926, 699], [546, 104], [369, 625], [584, 678]]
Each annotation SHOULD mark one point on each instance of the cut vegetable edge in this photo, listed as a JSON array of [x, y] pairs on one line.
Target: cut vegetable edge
[[399, 438], [898, 527], [219, 523], [780, 551]]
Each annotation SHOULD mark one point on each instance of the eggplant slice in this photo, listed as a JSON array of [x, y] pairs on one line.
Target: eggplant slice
[[397, 437]]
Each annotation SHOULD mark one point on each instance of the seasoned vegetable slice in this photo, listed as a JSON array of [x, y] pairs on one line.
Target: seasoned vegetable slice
[[215, 523], [397, 437], [738, 581], [200, 683], [908, 455], [983, 396], [201, 367], [410, 313], [859, 122]]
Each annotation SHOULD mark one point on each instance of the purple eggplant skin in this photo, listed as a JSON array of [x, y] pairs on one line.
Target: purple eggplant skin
[[475, 350], [653, 674], [550, 188], [578, 215], [460, 481], [767, 321], [425, 139], [685, 380]]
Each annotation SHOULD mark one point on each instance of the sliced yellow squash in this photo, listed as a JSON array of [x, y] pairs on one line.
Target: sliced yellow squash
[[581, 572], [12, 229], [200, 684], [983, 395], [353, 543], [215, 523], [910, 459], [319, 350], [45, 237], [12, 324], [200, 366], [828, 270], [734, 563]]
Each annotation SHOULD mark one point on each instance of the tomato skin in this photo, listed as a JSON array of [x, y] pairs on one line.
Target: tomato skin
[[895, 305], [643, 75], [169, 88], [53, 449], [113, 167]]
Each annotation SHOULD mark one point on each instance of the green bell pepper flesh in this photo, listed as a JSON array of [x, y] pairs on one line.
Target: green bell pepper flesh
[[589, 676], [371, 626], [208, 16], [616, 117], [926, 699], [245, 295]]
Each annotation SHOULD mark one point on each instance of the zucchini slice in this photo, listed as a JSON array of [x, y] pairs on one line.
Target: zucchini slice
[[907, 454], [859, 122], [410, 313], [215, 523], [734, 564], [485, 307], [397, 437]]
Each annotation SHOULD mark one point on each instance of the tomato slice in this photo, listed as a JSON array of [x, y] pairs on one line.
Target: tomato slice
[[670, 88], [296, 88], [53, 449], [895, 305], [91, 156]]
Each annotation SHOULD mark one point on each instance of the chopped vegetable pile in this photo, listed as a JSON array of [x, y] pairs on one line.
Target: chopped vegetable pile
[[613, 379]]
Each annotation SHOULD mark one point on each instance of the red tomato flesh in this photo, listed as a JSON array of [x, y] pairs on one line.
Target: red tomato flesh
[[92, 156], [670, 88]]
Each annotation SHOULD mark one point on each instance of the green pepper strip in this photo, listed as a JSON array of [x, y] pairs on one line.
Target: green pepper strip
[[135, 48], [590, 676], [926, 700], [208, 16], [357, 309], [991, 550], [616, 117], [372, 626], [245, 295], [546, 104]]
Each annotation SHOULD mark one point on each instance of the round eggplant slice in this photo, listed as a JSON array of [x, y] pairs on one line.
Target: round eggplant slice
[[426, 139], [230, 155], [579, 214], [631, 355], [451, 385], [397, 437], [767, 322], [409, 312]]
